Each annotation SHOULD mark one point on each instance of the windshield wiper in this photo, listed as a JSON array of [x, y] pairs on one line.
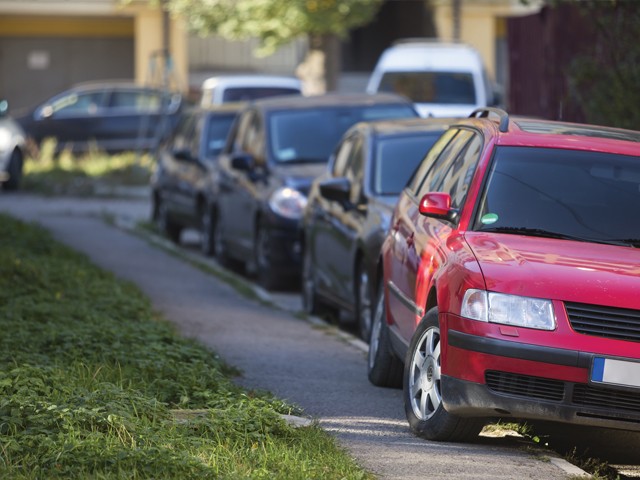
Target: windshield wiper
[[541, 232]]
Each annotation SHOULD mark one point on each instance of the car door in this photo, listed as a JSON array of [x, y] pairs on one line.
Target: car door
[[239, 188], [71, 118], [190, 170], [327, 219], [426, 244]]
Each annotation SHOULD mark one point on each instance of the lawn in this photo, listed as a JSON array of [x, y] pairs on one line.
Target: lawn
[[94, 384]]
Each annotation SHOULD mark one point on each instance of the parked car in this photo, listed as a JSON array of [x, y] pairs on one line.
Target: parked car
[[12, 149], [509, 279], [183, 183], [243, 88], [443, 79], [112, 117], [276, 148], [349, 208]]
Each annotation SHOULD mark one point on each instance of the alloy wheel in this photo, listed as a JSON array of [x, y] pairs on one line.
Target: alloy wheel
[[424, 375]]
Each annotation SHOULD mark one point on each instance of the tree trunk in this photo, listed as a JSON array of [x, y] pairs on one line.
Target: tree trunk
[[320, 69]]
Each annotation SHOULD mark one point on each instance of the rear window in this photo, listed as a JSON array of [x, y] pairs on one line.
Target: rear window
[[242, 94], [588, 195], [431, 87], [396, 159]]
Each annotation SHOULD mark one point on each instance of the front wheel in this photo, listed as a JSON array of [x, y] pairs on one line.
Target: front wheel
[[422, 388], [166, 225]]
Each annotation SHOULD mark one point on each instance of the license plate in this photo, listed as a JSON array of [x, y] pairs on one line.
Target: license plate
[[615, 372]]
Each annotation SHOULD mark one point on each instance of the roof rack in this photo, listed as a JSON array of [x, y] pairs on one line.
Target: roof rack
[[485, 111]]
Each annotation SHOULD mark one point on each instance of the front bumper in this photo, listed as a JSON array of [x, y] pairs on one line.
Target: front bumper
[[485, 376]]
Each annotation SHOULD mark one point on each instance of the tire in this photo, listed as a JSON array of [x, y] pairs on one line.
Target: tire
[[266, 275], [165, 225], [362, 301], [422, 389], [207, 224], [14, 169], [384, 368]]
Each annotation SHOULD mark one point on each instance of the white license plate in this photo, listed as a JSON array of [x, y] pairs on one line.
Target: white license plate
[[615, 372]]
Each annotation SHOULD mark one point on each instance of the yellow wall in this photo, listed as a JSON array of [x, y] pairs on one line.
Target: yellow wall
[[33, 26]]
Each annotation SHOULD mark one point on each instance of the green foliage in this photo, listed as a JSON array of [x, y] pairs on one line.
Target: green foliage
[[91, 382], [605, 80], [274, 22]]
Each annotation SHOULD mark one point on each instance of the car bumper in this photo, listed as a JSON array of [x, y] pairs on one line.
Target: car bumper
[[484, 376]]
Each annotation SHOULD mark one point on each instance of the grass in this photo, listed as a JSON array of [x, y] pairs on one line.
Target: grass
[[94, 173], [93, 384]]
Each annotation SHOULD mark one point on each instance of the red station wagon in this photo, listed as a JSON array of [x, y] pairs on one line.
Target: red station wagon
[[509, 281]]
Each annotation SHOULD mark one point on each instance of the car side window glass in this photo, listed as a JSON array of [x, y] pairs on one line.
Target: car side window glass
[[342, 157], [457, 180], [355, 170], [254, 139], [183, 132], [418, 176], [441, 165], [135, 101], [243, 125], [78, 104]]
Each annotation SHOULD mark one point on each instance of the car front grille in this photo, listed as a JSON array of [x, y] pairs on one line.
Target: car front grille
[[525, 386], [617, 400], [609, 322]]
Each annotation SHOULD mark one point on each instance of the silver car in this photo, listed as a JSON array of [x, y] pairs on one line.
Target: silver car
[[12, 147]]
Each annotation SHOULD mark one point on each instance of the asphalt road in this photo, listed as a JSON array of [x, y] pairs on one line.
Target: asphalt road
[[297, 360]]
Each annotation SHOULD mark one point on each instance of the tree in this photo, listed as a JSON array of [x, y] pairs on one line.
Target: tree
[[277, 22]]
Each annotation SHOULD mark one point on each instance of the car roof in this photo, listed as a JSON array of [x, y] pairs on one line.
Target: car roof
[[293, 102], [407, 125], [124, 84], [534, 132]]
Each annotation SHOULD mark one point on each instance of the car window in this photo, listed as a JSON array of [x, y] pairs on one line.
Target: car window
[[216, 133], [590, 195], [425, 164], [395, 159], [86, 103], [136, 101], [435, 174], [184, 132], [457, 179], [243, 94], [310, 135], [342, 156], [354, 170], [431, 87]]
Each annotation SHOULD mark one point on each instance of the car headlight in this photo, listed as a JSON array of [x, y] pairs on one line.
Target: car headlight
[[288, 202], [5, 140], [508, 309]]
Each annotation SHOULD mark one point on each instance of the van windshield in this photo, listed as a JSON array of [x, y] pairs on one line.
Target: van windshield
[[431, 87]]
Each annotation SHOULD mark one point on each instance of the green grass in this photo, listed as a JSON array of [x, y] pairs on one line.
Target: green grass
[[90, 174], [93, 384]]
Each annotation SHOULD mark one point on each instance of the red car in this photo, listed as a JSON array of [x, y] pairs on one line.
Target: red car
[[509, 281]]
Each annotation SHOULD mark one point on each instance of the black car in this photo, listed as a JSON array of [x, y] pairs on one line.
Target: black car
[[274, 151], [348, 211], [183, 183], [112, 117]]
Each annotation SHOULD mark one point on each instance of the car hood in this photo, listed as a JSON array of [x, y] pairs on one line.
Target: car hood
[[298, 176], [558, 269]]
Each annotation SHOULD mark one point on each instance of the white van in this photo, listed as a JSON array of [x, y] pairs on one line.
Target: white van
[[241, 88], [442, 79]]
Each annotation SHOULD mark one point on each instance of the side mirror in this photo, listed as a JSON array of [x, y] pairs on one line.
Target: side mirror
[[437, 205], [242, 161], [336, 189]]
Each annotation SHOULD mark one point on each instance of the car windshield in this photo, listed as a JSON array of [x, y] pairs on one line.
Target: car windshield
[[311, 135], [242, 94], [216, 135], [579, 195], [431, 87], [395, 160]]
